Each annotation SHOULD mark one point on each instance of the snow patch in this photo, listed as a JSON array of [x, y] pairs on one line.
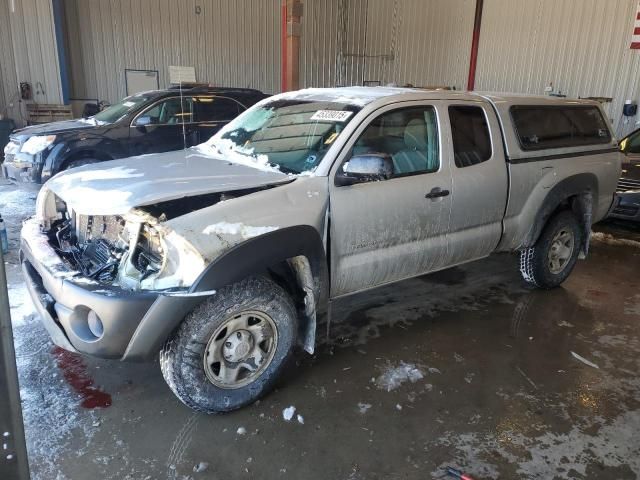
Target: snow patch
[[562, 455], [115, 173], [94, 121], [392, 377], [357, 96], [200, 467], [244, 231], [47, 401], [234, 153], [17, 202], [288, 413], [21, 305], [609, 239]]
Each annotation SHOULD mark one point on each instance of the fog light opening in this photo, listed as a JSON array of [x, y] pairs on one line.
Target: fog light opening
[[95, 324]]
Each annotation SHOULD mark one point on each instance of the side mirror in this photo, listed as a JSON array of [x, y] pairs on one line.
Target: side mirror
[[143, 121], [371, 167]]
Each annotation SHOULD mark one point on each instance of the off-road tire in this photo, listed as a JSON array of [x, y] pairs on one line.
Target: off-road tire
[[534, 263], [182, 357]]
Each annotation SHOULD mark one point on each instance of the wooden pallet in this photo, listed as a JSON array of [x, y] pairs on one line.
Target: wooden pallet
[[42, 113]]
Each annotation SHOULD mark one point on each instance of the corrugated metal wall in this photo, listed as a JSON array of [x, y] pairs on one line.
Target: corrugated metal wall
[[581, 46], [350, 42], [234, 43], [28, 53], [8, 82]]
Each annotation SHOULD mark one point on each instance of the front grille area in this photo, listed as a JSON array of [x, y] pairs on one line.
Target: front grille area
[[12, 147], [94, 227], [627, 211], [628, 184]]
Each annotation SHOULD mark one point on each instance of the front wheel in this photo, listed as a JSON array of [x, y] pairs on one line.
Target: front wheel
[[550, 261], [79, 163], [230, 349]]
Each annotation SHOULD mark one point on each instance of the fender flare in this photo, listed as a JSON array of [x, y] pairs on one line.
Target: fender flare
[[584, 188], [252, 256], [259, 253]]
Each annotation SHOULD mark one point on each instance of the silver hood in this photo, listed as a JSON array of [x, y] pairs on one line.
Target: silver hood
[[115, 187]]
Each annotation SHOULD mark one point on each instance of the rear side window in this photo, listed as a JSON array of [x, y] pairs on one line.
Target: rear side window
[[470, 132], [216, 109], [541, 127]]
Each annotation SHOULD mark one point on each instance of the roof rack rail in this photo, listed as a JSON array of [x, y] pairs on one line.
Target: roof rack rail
[[205, 87]]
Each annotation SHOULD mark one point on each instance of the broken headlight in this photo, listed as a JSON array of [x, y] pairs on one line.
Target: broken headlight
[[165, 260], [148, 255]]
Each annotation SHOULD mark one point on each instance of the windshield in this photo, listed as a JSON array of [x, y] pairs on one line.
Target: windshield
[[115, 112], [291, 136]]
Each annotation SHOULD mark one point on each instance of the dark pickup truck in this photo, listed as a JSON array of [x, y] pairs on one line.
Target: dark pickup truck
[[148, 122]]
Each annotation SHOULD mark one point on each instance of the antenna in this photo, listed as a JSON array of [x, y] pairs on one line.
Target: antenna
[[184, 133], [180, 73]]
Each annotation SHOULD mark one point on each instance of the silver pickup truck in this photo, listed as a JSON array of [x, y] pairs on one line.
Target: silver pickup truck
[[223, 257]]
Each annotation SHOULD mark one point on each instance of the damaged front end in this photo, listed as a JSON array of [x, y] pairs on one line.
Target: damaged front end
[[133, 251]]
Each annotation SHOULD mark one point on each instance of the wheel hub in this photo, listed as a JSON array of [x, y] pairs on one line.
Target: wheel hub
[[560, 251], [237, 346], [240, 349]]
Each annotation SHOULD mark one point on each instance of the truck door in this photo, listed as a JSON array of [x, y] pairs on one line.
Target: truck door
[[479, 181], [383, 231]]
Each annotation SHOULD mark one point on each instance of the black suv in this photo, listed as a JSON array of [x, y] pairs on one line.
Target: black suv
[[148, 122]]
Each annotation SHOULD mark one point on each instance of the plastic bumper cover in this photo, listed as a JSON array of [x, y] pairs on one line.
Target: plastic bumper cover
[[23, 168], [66, 301]]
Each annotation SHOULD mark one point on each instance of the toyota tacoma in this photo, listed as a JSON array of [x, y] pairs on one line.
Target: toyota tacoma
[[222, 258]]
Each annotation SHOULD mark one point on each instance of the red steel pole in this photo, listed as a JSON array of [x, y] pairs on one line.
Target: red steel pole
[[475, 42], [283, 39]]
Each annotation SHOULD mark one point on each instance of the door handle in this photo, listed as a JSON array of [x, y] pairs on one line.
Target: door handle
[[437, 192]]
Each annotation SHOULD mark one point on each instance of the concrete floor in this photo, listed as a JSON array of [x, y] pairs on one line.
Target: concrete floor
[[501, 394]]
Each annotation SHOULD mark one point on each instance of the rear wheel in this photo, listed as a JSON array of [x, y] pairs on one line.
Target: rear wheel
[[550, 261], [229, 350]]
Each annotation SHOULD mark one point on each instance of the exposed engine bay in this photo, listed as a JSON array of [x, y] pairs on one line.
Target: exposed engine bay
[[132, 252], [97, 245]]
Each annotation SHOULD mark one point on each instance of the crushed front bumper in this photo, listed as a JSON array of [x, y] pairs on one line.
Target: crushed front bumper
[[22, 168], [64, 299]]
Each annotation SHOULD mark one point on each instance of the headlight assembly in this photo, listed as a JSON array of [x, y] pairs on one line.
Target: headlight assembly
[[37, 144], [168, 261]]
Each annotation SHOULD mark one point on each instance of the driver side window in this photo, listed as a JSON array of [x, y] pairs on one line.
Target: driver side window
[[170, 112], [409, 137]]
